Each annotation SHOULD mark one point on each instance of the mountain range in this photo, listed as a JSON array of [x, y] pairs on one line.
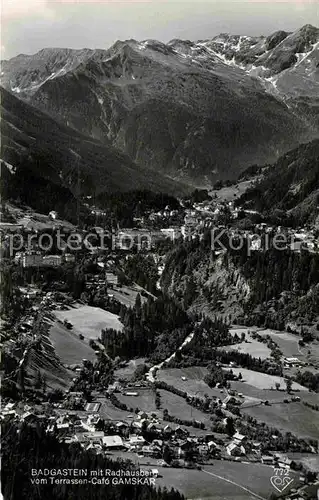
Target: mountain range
[[42, 158], [196, 111]]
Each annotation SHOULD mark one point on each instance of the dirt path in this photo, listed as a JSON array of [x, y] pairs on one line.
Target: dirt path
[[150, 376], [235, 484]]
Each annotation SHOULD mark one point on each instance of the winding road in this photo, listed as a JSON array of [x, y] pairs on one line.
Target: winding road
[[150, 376]]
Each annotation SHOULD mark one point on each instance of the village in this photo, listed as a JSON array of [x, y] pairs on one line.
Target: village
[[127, 418], [25, 239]]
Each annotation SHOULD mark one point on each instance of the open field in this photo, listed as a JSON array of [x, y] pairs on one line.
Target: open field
[[89, 321], [127, 294], [221, 481], [260, 394], [178, 407], [194, 383], [310, 461], [263, 380], [38, 221], [144, 401], [293, 417], [128, 371], [287, 342], [252, 347], [110, 412], [68, 346], [310, 397], [230, 193]]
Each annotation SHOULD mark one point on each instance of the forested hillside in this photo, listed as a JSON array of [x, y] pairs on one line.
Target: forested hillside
[[273, 289], [291, 184]]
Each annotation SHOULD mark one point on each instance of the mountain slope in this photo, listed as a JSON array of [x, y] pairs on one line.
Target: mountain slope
[[33, 142], [291, 184], [286, 64], [270, 289], [179, 108]]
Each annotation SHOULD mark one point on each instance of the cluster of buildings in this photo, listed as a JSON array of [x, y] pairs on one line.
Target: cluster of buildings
[[102, 279], [38, 259], [86, 429], [144, 435]]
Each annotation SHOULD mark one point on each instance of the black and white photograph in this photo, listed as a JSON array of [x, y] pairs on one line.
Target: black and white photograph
[[159, 249]]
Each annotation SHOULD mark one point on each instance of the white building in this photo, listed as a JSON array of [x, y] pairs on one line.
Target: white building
[[53, 214], [31, 260], [111, 278], [173, 233], [112, 442], [52, 260]]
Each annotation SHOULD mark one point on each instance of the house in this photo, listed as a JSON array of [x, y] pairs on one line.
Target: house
[[69, 257], [62, 419], [9, 406], [95, 437], [29, 292], [73, 394], [235, 450], [8, 414], [31, 260], [94, 447], [136, 441], [228, 400], [180, 432], [63, 427], [238, 438], [28, 417], [137, 426], [152, 427], [81, 438], [285, 463], [167, 429], [203, 449], [158, 442], [213, 446], [269, 460], [116, 387], [53, 215], [185, 445], [113, 442], [70, 440], [293, 361], [172, 233], [142, 414], [93, 419], [52, 260], [256, 446], [10, 227], [121, 425], [151, 451], [155, 473], [111, 278]]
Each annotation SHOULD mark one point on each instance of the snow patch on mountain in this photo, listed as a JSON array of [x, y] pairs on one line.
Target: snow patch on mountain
[[302, 56]]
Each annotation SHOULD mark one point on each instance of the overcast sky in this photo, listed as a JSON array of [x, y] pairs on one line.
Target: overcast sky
[[29, 25]]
